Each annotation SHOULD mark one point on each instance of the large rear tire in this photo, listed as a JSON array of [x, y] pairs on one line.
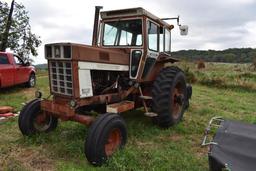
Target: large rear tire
[[106, 135], [32, 120], [169, 96]]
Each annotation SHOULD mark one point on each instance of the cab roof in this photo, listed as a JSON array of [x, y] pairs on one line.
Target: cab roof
[[132, 12]]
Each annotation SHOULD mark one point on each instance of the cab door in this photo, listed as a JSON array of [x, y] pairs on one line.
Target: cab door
[[21, 73], [153, 47]]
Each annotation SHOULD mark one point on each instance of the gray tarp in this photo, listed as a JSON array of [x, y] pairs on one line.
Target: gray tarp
[[236, 147]]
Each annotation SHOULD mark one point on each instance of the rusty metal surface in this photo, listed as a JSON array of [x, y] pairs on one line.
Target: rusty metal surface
[[75, 77], [57, 109], [64, 112], [100, 55], [120, 107], [100, 99], [83, 119], [154, 72], [133, 12]]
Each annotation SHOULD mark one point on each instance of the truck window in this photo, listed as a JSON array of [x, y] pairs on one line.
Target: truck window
[[4, 59], [18, 61], [152, 36]]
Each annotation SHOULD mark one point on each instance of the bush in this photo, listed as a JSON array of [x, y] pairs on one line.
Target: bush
[[254, 64], [190, 76], [200, 64]]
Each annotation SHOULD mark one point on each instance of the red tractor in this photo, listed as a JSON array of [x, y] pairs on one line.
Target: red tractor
[[124, 69]]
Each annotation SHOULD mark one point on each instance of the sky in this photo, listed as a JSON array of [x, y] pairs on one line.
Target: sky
[[218, 24]]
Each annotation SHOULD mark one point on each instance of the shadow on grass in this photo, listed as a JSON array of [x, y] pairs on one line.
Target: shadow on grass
[[12, 89]]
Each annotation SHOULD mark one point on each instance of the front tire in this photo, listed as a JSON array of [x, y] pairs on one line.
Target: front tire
[[169, 96], [106, 135], [32, 120]]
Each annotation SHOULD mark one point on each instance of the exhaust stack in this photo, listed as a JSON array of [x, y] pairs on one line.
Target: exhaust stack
[[96, 25]]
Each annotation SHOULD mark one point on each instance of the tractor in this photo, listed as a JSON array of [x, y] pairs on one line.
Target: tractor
[[128, 66]]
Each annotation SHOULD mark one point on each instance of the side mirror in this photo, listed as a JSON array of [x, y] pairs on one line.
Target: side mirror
[[183, 30]]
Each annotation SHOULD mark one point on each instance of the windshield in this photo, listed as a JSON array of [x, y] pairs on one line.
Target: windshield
[[123, 33]]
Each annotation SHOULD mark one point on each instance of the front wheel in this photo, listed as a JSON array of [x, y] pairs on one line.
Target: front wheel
[[106, 135], [32, 120]]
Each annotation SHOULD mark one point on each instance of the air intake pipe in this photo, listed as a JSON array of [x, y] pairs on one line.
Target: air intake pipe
[[96, 25]]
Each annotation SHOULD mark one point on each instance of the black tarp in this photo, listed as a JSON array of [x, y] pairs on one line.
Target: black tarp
[[236, 147]]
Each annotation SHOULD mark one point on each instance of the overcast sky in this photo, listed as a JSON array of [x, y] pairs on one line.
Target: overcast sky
[[218, 24]]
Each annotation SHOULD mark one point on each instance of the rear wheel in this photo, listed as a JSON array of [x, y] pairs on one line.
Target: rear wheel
[[32, 120], [169, 96], [106, 135]]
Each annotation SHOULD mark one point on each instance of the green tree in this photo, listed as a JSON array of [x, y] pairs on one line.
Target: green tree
[[18, 37]]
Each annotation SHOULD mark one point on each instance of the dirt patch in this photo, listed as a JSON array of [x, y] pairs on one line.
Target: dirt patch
[[197, 149], [27, 159], [172, 137], [143, 144], [175, 137], [29, 92]]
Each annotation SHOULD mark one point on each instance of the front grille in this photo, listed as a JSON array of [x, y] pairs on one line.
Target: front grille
[[61, 77]]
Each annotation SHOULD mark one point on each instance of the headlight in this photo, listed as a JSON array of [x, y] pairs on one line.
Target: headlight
[[38, 94], [57, 52], [72, 103]]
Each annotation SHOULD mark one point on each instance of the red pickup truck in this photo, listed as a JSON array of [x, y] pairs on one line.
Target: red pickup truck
[[14, 70]]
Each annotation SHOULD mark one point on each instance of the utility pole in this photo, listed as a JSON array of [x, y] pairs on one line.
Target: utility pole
[[3, 45]]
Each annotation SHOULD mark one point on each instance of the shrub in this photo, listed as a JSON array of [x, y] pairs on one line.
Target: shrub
[[254, 64], [190, 76], [200, 64]]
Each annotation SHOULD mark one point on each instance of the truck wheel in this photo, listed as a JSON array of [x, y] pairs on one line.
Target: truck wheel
[[106, 135], [31, 81], [32, 120], [169, 94]]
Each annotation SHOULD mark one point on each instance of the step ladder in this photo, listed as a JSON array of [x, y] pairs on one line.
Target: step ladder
[[147, 113]]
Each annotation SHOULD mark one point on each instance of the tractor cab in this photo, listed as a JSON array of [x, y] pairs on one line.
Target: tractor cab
[[144, 36]]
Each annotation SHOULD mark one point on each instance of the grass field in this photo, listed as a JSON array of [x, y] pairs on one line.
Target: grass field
[[219, 90]]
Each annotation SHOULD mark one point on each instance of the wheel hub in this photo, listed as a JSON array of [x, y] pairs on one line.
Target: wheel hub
[[178, 100], [42, 122], [32, 81], [113, 142]]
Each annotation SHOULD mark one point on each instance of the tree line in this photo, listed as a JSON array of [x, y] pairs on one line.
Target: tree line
[[233, 55]]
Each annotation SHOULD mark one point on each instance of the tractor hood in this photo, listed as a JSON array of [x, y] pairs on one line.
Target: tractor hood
[[79, 52], [99, 54]]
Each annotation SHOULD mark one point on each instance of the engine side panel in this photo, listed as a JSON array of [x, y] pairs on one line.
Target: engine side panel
[[99, 78]]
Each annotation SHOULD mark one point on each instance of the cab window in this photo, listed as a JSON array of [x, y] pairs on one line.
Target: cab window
[[152, 36], [161, 42], [122, 33], [4, 59]]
